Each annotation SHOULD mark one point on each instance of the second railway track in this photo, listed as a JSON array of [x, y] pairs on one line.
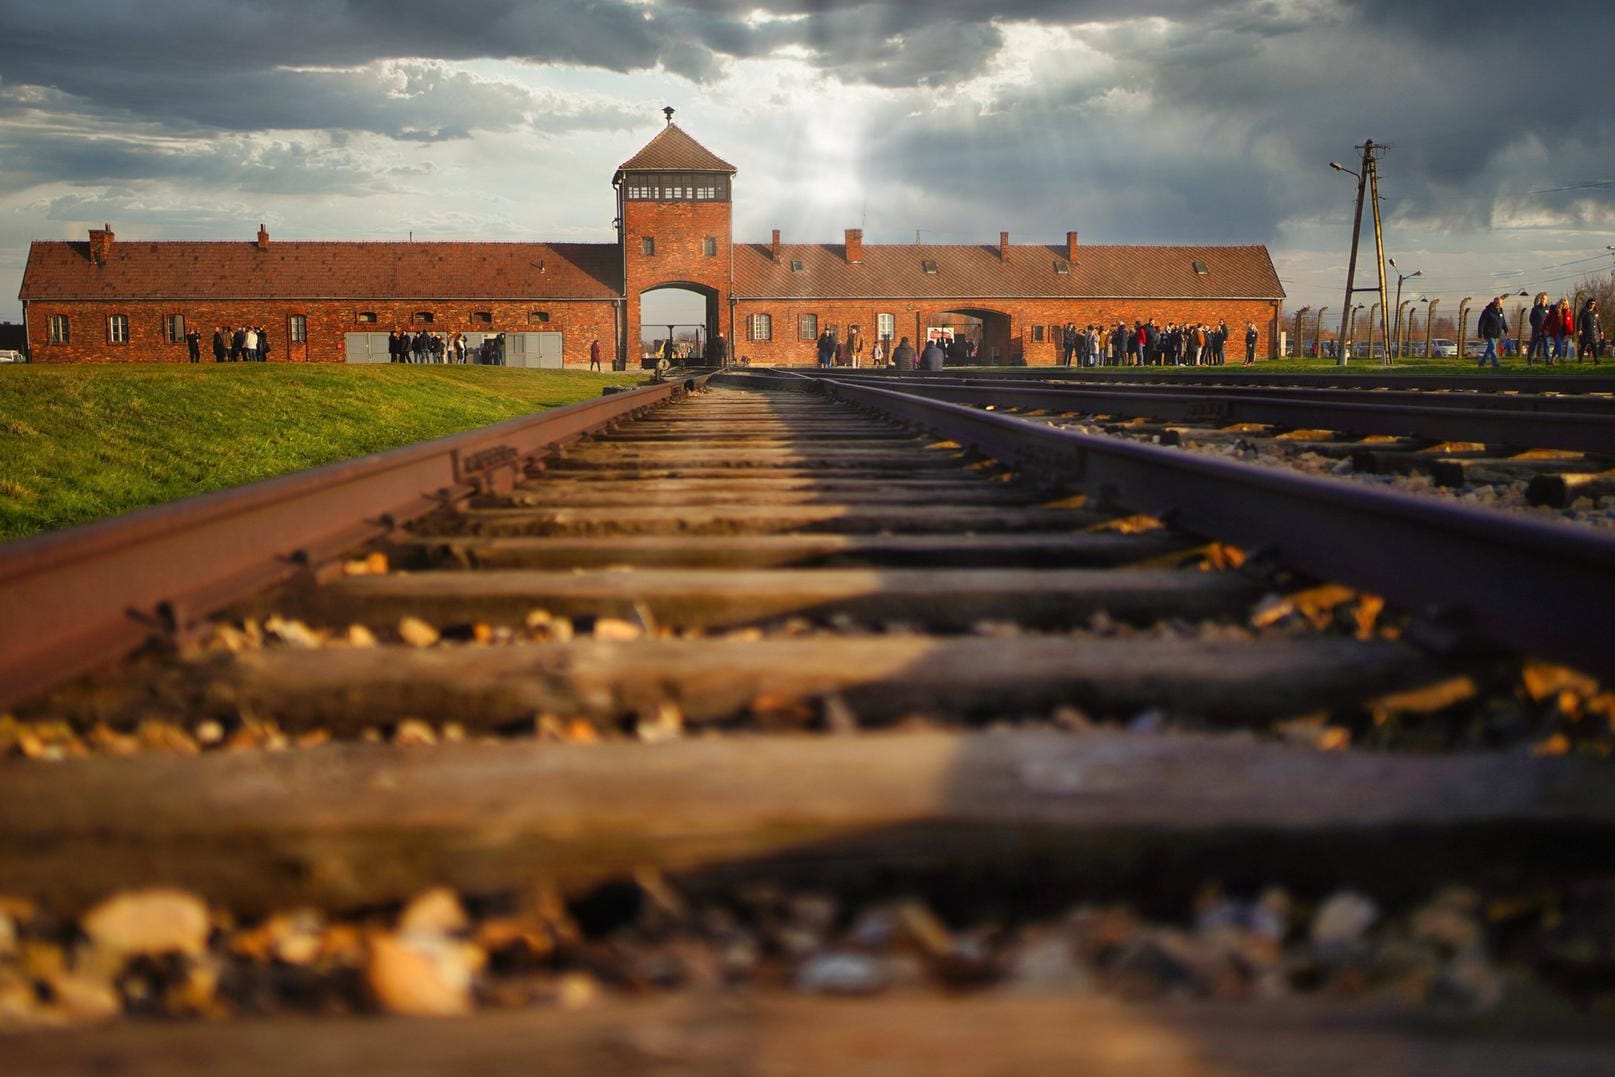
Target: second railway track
[[768, 637]]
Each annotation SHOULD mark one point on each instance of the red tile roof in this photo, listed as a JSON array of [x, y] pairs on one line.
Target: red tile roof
[[674, 151], [324, 270], [898, 271]]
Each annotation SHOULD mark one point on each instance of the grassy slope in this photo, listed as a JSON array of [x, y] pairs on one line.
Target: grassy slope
[[80, 443]]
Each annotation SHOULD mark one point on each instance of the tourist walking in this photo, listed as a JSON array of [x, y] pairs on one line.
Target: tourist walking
[[1491, 327], [1587, 330]]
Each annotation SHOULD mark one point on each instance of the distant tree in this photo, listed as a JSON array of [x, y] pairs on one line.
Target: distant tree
[[1602, 289]]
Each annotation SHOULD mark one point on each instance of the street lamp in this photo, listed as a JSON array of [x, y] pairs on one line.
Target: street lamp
[[1349, 320], [1400, 277], [1408, 327], [1300, 341]]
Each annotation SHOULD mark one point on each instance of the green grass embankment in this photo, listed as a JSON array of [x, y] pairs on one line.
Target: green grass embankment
[[82, 443]]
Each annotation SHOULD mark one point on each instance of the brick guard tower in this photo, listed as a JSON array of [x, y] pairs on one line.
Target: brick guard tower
[[674, 226]]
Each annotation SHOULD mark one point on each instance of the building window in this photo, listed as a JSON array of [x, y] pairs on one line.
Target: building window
[[797, 266], [807, 327], [647, 245], [118, 329], [297, 329], [676, 187], [928, 265], [760, 327], [1037, 334], [1062, 268], [174, 328], [58, 329], [709, 246], [539, 316], [367, 317], [423, 317], [886, 326], [482, 317], [1201, 268]]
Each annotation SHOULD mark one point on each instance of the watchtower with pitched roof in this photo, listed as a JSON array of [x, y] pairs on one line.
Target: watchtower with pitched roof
[[674, 223]]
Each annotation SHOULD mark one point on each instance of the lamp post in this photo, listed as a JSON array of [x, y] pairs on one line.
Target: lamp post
[[1350, 320], [1400, 277], [1463, 323], [1409, 330], [1317, 338], [1299, 339], [1429, 326]]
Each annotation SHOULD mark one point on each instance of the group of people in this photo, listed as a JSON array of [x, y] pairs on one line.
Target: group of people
[[423, 347], [243, 344], [940, 349], [1557, 331], [1146, 343]]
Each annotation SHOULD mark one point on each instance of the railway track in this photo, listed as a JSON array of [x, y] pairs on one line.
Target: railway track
[[642, 729]]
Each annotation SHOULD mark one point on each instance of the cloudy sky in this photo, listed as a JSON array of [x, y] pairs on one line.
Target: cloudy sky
[[1132, 121]]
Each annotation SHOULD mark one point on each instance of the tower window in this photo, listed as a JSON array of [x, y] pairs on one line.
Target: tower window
[[647, 245], [709, 246]]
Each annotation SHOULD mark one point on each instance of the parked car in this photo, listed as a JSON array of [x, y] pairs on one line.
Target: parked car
[[1441, 346], [10, 355]]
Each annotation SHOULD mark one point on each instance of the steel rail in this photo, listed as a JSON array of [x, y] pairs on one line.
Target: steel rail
[[1578, 432], [75, 599], [1542, 588], [1496, 383], [1587, 404]]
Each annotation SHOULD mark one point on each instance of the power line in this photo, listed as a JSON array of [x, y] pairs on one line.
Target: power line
[[1574, 187]]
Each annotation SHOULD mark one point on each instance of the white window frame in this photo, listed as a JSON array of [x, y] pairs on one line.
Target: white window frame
[[117, 328]]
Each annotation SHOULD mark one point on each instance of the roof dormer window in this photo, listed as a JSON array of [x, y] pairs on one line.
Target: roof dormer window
[[928, 264]]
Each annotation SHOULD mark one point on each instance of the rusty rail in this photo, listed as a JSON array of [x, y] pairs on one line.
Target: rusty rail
[[1454, 418], [1270, 376], [75, 599], [1543, 588]]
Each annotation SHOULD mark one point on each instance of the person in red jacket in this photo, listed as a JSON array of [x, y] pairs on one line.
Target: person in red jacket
[[1561, 324]]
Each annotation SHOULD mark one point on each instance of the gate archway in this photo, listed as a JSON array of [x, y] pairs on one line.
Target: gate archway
[[988, 330], [681, 312]]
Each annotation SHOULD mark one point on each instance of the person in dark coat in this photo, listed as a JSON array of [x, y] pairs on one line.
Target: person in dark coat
[[193, 345], [221, 346], [238, 344], [1587, 330], [903, 355], [1492, 325], [932, 358], [1250, 343], [1539, 339]]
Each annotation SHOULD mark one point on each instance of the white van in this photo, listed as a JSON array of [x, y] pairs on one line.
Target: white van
[[1443, 346]]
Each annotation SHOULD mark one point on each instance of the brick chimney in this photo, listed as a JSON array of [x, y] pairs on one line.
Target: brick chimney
[[776, 245], [263, 238], [855, 244], [101, 244], [1071, 247], [1003, 246]]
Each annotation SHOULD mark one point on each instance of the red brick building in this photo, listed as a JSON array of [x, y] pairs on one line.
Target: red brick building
[[110, 301]]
